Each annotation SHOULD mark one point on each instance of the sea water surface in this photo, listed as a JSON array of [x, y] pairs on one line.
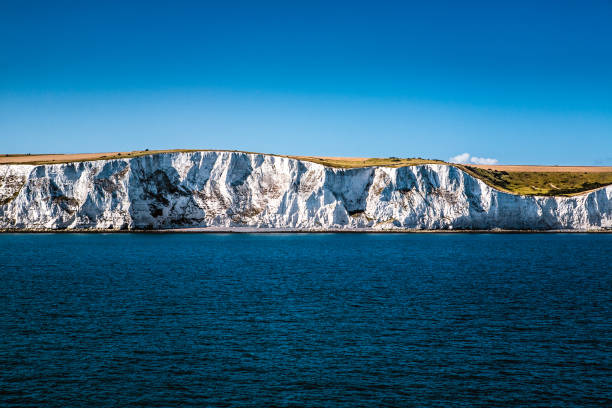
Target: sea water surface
[[314, 320]]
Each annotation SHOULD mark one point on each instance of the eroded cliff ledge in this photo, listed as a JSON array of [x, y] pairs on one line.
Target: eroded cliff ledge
[[231, 189]]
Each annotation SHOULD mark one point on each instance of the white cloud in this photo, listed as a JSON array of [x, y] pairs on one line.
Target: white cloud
[[483, 160], [460, 158], [464, 158]]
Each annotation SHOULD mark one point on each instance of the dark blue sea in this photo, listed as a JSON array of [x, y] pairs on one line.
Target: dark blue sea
[[306, 320]]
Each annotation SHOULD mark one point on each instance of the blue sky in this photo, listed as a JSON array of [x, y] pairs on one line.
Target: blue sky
[[520, 82]]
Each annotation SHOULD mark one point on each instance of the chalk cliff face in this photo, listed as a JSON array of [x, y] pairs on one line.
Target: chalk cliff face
[[226, 189]]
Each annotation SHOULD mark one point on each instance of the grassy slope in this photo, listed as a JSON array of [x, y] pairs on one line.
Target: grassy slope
[[517, 182], [540, 182]]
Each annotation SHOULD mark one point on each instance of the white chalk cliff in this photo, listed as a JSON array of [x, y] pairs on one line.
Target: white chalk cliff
[[227, 189]]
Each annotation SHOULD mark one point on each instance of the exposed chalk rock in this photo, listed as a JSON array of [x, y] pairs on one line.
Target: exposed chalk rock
[[228, 189]]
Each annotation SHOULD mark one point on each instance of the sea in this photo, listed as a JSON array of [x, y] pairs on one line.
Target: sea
[[306, 320]]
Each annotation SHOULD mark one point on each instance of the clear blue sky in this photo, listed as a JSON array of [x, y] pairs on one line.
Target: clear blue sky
[[520, 82]]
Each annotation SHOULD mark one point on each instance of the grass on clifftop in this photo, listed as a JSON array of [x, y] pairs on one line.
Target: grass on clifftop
[[355, 163], [540, 182], [61, 158], [517, 182]]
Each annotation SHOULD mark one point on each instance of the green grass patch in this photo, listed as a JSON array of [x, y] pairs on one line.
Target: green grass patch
[[541, 183]]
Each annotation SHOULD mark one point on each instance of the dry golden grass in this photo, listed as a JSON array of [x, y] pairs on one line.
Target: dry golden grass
[[340, 162], [513, 168], [355, 162], [36, 159]]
